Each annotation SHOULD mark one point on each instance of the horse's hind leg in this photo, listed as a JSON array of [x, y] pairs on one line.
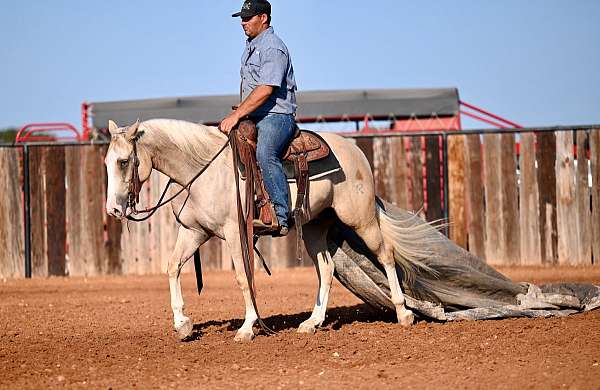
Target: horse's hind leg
[[187, 243], [316, 245], [371, 235]]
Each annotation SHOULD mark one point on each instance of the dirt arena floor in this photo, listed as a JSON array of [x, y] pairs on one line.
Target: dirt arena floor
[[116, 332]]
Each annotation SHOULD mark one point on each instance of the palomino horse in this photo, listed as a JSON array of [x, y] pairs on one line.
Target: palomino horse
[[181, 149]]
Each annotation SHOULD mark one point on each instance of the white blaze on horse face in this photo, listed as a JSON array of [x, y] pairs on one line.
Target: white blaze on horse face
[[117, 188]]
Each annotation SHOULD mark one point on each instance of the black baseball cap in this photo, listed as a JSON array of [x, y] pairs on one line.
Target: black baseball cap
[[254, 7]]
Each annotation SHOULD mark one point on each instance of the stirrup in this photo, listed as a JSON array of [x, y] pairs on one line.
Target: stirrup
[[262, 228], [275, 230]]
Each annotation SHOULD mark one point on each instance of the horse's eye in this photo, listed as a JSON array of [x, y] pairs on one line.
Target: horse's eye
[[123, 163]]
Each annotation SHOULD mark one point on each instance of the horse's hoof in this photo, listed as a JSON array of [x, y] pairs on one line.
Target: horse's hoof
[[406, 318], [185, 329], [244, 335], [306, 327]]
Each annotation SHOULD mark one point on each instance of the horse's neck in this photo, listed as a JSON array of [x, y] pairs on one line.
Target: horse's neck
[[175, 159]]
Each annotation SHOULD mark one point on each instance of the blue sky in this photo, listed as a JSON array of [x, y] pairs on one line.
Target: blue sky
[[535, 62]]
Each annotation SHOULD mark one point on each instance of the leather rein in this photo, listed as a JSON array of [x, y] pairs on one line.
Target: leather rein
[[135, 185]]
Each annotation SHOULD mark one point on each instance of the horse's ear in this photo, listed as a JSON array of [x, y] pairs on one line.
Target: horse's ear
[[133, 130], [112, 127]]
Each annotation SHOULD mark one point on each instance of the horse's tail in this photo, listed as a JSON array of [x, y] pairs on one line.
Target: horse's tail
[[410, 239]]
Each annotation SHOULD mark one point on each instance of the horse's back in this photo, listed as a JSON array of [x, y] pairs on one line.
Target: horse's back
[[349, 155]]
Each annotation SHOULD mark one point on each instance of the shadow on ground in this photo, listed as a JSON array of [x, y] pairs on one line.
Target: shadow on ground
[[336, 318]]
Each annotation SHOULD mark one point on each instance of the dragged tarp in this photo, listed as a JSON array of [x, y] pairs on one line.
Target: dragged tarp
[[462, 286]]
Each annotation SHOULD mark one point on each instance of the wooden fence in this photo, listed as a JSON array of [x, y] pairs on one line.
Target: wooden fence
[[532, 207]]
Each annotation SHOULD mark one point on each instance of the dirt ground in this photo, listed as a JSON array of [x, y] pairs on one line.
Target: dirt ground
[[116, 332]]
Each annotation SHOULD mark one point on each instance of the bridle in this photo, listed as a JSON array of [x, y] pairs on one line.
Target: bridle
[[135, 185]]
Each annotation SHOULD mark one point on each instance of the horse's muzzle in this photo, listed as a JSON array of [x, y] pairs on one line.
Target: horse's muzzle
[[117, 208]]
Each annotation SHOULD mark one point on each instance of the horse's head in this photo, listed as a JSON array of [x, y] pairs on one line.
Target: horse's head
[[127, 167]]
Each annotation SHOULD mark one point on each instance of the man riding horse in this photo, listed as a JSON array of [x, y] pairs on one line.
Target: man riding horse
[[268, 98], [197, 158]]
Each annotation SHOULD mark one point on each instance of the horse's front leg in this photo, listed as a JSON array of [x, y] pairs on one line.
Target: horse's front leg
[[245, 333], [187, 243]]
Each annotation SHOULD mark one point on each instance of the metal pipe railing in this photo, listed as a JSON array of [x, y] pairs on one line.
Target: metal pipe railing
[[548, 129], [494, 116]]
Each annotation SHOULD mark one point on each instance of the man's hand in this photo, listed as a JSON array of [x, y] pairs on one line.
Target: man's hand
[[229, 122], [256, 98]]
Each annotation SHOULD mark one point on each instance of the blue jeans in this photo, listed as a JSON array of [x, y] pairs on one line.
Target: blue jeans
[[275, 131]]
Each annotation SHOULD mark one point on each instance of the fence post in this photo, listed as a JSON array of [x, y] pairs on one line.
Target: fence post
[[446, 202], [27, 211]]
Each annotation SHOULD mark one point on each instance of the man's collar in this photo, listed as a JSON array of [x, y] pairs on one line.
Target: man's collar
[[260, 36]]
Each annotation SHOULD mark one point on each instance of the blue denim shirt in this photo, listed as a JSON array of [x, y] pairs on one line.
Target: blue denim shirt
[[266, 61]]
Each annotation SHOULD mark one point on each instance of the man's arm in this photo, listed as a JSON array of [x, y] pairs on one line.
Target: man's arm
[[256, 98]]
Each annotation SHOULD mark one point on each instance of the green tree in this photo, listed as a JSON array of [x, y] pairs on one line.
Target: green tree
[[8, 135]]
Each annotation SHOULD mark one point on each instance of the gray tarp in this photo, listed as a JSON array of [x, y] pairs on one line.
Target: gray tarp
[[380, 103], [466, 288]]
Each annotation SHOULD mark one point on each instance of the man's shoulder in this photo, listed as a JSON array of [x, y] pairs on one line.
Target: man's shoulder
[[272, 41]]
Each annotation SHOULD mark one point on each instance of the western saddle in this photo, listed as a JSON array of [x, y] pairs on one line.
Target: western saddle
[[305, 147]]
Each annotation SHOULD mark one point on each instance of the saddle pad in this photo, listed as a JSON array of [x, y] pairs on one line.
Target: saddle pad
[[316, 169]]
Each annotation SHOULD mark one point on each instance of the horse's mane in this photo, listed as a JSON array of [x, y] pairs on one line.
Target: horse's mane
[[194, 140]]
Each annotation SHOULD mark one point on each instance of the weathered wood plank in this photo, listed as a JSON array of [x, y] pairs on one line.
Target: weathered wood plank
[[416, 173], [215, 255], [140, 239], [128, 255], [492, 180], [400, 191], [211, 254], [114, 231], [366, 146], [531, 253], [435, 210], [595, 165], [39, 256], [133, 259], [456, 187], [12, 258], [474, 196], [502, 222], [112, 246], [382, 167], [94, 204], [55, 199], [583, 206], [76, 266], [510, 200], [85, 209], [279, 252], [566, 202], [391, 170], [546, 158]]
